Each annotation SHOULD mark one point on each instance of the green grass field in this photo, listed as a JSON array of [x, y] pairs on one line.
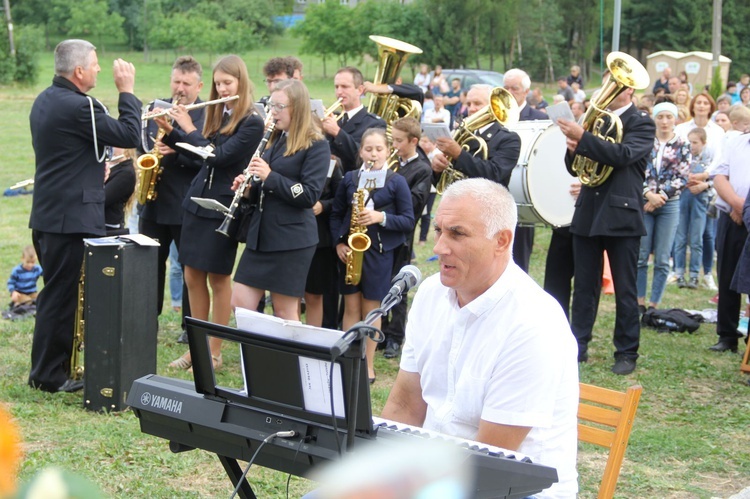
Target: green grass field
[[690, 435]]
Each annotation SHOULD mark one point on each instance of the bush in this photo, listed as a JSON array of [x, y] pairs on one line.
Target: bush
[[717, 85], [23, 69]]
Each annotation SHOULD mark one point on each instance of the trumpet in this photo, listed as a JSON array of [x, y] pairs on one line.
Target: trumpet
[[190, 107], [334, 107]]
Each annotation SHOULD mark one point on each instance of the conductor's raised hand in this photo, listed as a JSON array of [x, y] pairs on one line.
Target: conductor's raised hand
[[124, 75]]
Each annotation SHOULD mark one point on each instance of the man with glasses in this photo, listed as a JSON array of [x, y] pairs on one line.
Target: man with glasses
[[275, 70]]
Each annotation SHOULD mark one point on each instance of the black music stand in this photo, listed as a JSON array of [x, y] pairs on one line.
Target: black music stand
[[274, 382]]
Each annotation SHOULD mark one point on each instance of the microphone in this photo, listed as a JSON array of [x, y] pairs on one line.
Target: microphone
[[408, 277]]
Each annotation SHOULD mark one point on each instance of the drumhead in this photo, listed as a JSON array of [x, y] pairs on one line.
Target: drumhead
[[542, 173]]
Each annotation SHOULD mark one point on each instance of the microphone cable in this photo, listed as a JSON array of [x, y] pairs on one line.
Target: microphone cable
[[280, 434]]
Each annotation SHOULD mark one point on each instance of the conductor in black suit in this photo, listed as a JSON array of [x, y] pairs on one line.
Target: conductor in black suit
[[610, 217], [71, 132], [517, 82], [503, 146], [161, 218], [344, 132]]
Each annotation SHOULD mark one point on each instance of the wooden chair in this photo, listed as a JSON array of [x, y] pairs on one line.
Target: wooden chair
[[607, 409], [745, 366]]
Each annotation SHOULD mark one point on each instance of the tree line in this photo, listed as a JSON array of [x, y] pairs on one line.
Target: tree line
[[542, 36]]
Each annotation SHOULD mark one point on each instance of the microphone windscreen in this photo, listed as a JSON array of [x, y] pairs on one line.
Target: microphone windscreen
[[412, 274]]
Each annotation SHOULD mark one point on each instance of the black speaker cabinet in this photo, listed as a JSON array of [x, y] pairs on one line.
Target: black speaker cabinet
[[120, 320]]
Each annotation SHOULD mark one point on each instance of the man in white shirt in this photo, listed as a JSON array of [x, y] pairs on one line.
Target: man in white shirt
[[439, 114], [489, 355]]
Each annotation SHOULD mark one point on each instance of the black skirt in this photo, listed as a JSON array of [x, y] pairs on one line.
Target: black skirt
[[282, 272], [202, 248], [376, 275], [323, 276]]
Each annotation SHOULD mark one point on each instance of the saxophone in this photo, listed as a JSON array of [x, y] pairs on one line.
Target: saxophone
[[149, 169], [76, 358], [358, 241]]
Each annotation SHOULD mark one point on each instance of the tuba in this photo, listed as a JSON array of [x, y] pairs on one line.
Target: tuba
[[502, 108], [624, 72], [392, 55]]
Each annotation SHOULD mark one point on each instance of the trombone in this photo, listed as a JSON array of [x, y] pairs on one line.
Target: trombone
[[190, 107]]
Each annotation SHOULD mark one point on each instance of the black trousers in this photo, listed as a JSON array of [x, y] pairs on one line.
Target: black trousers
[[165, 234], [424, 220], [730, 239], [61, 257], [559, 268], [523, 243], [623, 262], [394, 323]]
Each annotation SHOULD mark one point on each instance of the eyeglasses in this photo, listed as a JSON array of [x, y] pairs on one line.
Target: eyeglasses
[[276, 106]]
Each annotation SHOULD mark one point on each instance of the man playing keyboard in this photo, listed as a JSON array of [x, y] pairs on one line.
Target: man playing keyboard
[[488, 355]]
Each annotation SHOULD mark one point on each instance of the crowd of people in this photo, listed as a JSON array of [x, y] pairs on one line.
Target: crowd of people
[[313, 181]]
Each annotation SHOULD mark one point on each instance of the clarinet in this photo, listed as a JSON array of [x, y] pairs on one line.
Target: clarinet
[[229, 217]]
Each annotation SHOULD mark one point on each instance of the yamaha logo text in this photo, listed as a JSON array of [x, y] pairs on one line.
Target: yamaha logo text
[[160, 402]]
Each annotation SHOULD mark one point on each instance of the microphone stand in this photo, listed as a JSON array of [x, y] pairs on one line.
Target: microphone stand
[[356, 335]]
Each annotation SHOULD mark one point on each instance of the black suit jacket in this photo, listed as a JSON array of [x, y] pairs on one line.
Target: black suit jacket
[[232, 154], [284, 220], [418, 176], [615, 208], [503, 150], [69, 179], [178, 172], [346, 144], [528, 113]]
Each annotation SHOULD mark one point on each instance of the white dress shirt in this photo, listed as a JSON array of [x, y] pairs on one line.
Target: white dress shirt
[[508, 357]]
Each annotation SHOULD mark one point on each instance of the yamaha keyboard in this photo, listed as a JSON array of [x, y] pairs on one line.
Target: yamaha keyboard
[[172, 409]]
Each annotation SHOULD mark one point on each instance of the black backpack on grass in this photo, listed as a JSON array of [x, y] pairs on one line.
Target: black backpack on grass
[[672, 320]]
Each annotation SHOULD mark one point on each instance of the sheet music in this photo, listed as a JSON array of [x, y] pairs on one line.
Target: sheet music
[[315, 376], [317, 107], [268, 325], [210, 204], [561, 110], [436, 130]]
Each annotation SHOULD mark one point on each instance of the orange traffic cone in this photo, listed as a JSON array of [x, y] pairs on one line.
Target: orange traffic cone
[[608, 286]]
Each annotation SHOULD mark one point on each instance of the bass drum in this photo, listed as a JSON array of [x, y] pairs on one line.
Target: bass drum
[[540, 183]]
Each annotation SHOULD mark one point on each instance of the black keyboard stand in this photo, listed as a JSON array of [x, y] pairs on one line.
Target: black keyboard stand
[[234, 472]]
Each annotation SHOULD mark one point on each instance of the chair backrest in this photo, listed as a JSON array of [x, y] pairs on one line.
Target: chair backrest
[[612, 414]]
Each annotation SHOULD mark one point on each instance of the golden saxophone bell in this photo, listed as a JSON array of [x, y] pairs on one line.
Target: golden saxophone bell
[[502, 108], [625, 72], [358, 240]]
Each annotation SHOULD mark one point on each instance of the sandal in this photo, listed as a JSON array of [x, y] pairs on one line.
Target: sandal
[[215, 360], [182, 363]]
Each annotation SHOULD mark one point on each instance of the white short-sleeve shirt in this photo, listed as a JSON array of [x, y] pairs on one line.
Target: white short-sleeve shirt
[[507, 357]]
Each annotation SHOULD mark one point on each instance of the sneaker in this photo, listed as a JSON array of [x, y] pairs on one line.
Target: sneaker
[[709, 283], [391, 349], [693, 283], [742, 327], [681, 282], [623, 366]]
